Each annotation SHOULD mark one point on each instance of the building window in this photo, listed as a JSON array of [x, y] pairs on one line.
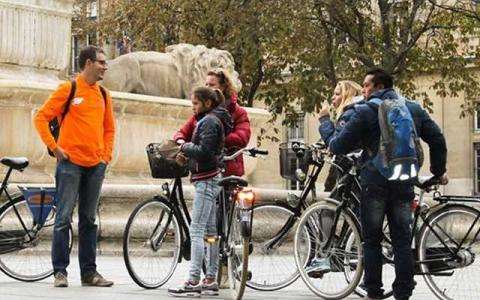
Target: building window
[[75, 52], [476, 168], [92, 11], [476, 121], [296, 132]]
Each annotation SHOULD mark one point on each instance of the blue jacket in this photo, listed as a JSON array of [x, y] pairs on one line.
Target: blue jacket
[[363, 129], [328, 130]]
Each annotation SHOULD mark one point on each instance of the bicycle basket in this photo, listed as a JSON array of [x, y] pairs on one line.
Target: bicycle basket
[[40, 201], [289, 162], [161, 158]]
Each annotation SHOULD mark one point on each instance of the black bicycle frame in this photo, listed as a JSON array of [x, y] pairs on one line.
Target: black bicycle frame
[[310, 185], [4, 189], [179, 208]]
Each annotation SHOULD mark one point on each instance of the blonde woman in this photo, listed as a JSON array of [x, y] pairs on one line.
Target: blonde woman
[[345, 96]]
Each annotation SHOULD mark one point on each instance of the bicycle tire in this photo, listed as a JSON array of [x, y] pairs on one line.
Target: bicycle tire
[[38, 252], [144, 268], [430, 247], [269, 221], [237, 260], [338, 260]]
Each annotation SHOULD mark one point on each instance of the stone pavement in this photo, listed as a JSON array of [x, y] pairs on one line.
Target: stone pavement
[[113, 268]]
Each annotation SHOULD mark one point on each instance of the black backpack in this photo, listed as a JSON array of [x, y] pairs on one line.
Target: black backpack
[[55, 124]]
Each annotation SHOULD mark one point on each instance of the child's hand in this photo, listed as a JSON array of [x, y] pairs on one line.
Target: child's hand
[[181, 159]]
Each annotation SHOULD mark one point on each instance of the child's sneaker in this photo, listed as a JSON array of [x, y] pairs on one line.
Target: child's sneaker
[[209, 287], [187, 290]]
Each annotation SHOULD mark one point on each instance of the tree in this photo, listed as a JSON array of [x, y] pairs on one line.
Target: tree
[[334, 40], [291, 53]]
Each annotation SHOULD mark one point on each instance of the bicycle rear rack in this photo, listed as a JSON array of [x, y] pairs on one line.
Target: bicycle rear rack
[[447, 198]]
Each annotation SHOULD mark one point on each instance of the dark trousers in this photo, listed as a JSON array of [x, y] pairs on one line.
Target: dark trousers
[[394, 202], [75, 182]]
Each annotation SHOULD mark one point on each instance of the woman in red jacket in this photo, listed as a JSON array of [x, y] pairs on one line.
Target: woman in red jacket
[[240, 135]]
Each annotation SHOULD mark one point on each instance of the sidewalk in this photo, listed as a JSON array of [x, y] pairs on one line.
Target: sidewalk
[[125, 289]]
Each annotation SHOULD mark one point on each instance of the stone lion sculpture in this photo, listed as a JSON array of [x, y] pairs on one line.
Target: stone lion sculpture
[[171, 74]]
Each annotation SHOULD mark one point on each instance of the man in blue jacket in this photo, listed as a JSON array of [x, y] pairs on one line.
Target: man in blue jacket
[[380, 197]]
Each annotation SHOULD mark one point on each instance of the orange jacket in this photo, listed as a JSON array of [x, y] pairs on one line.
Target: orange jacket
[[86, 134]]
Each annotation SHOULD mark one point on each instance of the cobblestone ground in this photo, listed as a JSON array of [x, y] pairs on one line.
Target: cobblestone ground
[[113, 268]]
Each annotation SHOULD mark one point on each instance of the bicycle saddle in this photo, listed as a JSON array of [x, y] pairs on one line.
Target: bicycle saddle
[[232, 181], [17, 163]]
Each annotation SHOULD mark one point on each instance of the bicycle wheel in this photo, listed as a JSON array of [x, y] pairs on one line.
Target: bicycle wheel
[[272, 262], [30, 259], [333, 272], [151, 243], [453, 240], [237, 261]]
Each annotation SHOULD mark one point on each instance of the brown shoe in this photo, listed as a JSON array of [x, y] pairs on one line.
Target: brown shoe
[[96, 280], [60, 280]]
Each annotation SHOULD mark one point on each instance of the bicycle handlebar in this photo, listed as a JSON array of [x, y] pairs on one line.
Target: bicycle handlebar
[[253, 152], [426, 184]]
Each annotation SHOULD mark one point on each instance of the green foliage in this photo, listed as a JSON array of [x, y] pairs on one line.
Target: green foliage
[[291, 53]]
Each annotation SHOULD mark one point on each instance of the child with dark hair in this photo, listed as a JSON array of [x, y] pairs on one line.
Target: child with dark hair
[[203, 154]]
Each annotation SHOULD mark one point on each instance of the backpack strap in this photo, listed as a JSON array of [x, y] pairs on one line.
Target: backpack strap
[[104, 94], [374, 103], [73, 89], [69, 99]]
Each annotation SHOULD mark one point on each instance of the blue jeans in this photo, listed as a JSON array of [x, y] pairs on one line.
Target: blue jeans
[[72, 182], [393, 201], [204, 222]]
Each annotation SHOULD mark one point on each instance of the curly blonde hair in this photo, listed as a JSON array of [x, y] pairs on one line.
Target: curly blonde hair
[[348, 90]]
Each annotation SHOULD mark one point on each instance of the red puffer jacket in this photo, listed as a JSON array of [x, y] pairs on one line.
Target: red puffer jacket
[[237, 139]]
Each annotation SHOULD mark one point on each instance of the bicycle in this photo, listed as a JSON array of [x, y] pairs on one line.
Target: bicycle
[[156, 237], [26, 228], [445, 240], [275, 223], [327, 242]]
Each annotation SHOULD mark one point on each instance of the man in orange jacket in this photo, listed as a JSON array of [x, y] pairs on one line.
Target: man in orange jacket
[[83, 150]]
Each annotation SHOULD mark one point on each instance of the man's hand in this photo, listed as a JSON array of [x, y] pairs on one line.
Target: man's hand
[[325, 111], [60, 154], [181, 159], [444, 179]]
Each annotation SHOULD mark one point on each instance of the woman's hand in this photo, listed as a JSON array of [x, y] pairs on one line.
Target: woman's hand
[[325, 111]]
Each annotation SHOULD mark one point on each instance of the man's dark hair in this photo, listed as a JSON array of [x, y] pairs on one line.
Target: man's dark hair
[[380, 76], [89, 52]]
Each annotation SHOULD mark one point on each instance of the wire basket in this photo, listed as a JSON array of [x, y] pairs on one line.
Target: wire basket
[[290, 162], [161, 158]]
